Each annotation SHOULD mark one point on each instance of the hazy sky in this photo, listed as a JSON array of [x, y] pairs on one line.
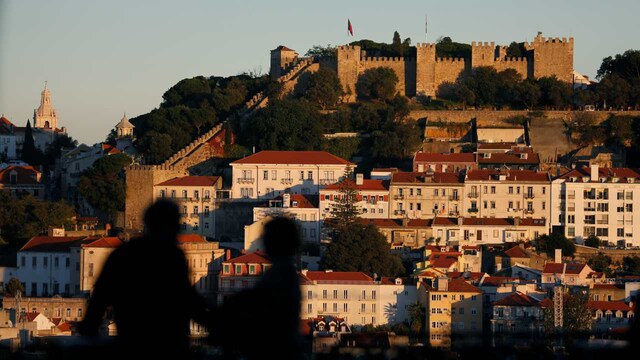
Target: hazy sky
[[104, 58]]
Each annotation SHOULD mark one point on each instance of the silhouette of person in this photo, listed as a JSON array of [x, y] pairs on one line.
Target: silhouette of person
[[146, 284], [263, 322]]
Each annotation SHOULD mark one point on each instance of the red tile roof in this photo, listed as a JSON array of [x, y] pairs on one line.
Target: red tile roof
[[29, 316], [190, 238], [496, 146], [303, 201], [516, 252], [510, 158], [498, 280], [105, 242], [338, 276], [191, 181], [608, 305], [25, 175], [443, 262], [65, 327], [5, 121], [621, 173], [460, 285], [52, 243], [475, 276], [367, 185], [293, 157], [474, 221], [445, 158], [517, 299], [558, 268], [257, 257], [421, 177], [394, 223], [511, 175]]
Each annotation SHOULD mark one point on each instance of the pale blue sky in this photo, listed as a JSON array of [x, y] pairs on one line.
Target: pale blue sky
[[103, 58]]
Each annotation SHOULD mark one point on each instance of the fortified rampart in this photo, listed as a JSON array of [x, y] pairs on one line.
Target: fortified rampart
[[425, 73]]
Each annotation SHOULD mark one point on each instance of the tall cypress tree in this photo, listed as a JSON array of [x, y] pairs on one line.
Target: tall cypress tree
[[30, 154], [344, 210]]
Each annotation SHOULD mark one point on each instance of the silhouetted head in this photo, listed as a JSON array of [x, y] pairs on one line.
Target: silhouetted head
[[281, 237], [162, 220]]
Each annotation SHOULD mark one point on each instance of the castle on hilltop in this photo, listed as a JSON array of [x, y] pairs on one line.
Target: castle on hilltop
[[425, 73]]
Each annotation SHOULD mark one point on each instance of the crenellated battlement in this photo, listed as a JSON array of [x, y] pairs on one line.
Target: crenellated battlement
[[348, 48], [513, 59], [450, 60], [555, 40], [481, 44], [383, 59], [426, 45]]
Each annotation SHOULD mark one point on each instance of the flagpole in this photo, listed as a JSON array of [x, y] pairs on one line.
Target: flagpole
[[426, 40]]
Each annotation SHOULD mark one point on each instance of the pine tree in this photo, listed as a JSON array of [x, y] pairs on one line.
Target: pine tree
[[30, 154], [344, 210]]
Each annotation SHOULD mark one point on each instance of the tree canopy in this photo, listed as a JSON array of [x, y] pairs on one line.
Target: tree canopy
[[324, 88], [377, 83], [103, 185], [344, 209], [549, 243], [359, 247]]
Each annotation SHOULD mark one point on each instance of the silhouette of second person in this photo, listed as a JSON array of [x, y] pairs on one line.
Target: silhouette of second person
[[263, 322]]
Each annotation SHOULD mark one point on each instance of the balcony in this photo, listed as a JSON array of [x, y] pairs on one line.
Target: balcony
[[528, 211], [473, 195], [473, 210], [399, 212], [454, 198], [195, 215], [326, 181], [398, 197], [286, 181], [246, 180], [529, 196], [366, 298], [454, 213]]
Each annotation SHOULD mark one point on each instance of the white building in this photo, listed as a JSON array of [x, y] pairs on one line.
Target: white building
[[196, 198], [507, 194], [303, 208], [356, 297], [45, 265], [423, 195], [372, 198], [487, 231], [93, 255], [8, 140], [598, 201], [267, 174]]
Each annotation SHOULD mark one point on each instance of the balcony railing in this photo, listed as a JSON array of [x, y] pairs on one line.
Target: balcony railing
[[326, 181], [246, 180], [286, 180], [473, 210], [473, 195], [399, 212], [528, 211], [398, 197], [529, 196], [454, 198]]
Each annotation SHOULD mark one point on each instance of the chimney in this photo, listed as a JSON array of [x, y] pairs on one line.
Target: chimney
[[516, 221], [594, 172], [286, 200], [443, 283], [499, 265], [405, 221], [460, 220], [558, 256], [359, 179], [227, 255]]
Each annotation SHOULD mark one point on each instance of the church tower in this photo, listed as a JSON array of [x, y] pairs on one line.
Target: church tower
[[45, 116], [124, 134]]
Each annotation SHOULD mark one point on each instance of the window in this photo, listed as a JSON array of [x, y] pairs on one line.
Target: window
[[373, 294], [252, 269], [461, 297], [628, 207], [335, 307], [274, 174], [196, 211], [324, 294], [34, 289], [620, 232], [207, 194], [56, 262], [90, 269], [345, 307], [419, 192], [493, 204], [34, 262], [265, 175], [510, 204], [67, 261], [363, 307], [435, 192], [510, 189], [206, 211], [310, 175], [162, 193], [473, 297], [473, 311], [309, 294], [226, 268], [196, 194], [301, 175], [324, 307], [602, 232], [184, 194], [173, 194], [23, 261], [544, 205], [238, 269], [493, 189], [461, 310], [80, 312]]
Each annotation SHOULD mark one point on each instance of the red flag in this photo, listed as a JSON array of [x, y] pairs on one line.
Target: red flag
[[349, 27]]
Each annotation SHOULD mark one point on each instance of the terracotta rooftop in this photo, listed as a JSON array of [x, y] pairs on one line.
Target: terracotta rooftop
[[517, 299], [302, 201], [421, 177], [293, 157], [445, 158], [511, 175], [257, 257], [621, 173], [558, 268], [475, 276], [52, 243], [498, 280], [608, 287], [516, 252], [608, 305], [367, 185], [190, 238], [338, 276], [474, 221], [191, 181], [460, 285], [387, 223], [443, 262], [105, 242], [29, 316], [25, 174]]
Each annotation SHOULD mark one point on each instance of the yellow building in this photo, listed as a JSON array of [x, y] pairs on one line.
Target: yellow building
[[454, 308]]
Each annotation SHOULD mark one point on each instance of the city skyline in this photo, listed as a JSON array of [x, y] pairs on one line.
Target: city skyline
[[104, 59]]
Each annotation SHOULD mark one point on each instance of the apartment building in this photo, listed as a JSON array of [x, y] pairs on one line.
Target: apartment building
[[598, 201], [303, 208], [21, 179], [454, 309], [611, 316], [488, 230], [356, 297], [204, 259], [517, 318], [93, 255], [574, 274], [372, 198], [241, 273], [448, 162], [267, 174], [45, 265], [518, 157], [423, 195], [196, 199], [507, 194], [400, 233]]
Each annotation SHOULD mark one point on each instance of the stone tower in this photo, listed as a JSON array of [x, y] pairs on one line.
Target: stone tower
[[124, 133], [281, 58], [45, 116], [425, 69], [552, 57], [483, 54], [348, 69]]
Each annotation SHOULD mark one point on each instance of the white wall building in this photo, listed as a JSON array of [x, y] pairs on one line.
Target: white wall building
[[267, 174], [372, 198], [196, 198], [598, 201], [8, 141], [423, 195], [303, 208], [356, 297], [487, 231]]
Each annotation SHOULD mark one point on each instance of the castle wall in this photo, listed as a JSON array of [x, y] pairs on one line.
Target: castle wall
[[482, 54], [448, 70], [395, 63], [553, 56], [348, 69], [518, 64], [425, 69]]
